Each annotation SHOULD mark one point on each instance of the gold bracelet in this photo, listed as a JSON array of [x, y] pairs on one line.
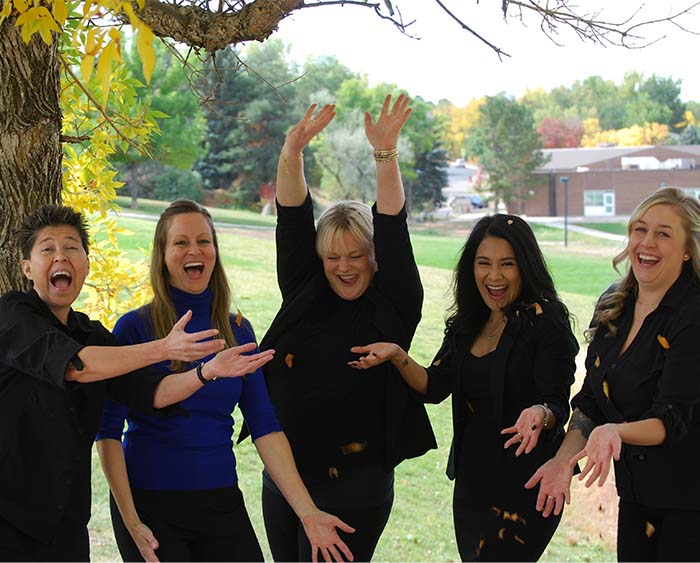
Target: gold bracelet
[[386, 155]]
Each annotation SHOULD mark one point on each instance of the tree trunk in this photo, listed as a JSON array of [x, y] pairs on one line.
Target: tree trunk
[[30, 145]]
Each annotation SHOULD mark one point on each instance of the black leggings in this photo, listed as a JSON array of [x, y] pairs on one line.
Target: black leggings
[[210, 525], [654, 534], [287, 539]]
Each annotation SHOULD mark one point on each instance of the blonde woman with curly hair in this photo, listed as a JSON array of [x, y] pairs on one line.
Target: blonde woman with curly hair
[[637, 406]]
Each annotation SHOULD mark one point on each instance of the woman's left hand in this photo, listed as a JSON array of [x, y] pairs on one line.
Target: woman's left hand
[[320, 528], [384, 134], [527, 430], [603, 444], [374, 354]]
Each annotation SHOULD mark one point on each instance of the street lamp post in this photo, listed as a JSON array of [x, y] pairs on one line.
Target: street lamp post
[[565, 180]]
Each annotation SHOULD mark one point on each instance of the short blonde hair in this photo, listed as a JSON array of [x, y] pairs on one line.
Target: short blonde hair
[[688, 208], [352, 217]]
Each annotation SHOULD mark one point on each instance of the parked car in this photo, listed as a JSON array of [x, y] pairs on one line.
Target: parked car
[[476, 201]]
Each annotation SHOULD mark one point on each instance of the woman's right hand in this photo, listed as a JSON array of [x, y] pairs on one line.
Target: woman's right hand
[[374, 354], [145, 541], [234, 363], [554, 478], [188, 347], [309, 126]]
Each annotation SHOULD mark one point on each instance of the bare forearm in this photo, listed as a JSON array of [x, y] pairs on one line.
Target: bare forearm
[[580, 428], [412, 372], [276, 455], [114, 468], [105, 362], [177, 387], [648, 432], [291, 184]]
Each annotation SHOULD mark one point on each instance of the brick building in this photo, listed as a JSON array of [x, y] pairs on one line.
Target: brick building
[[608, 181]]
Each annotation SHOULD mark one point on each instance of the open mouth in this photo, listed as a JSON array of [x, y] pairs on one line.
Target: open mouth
[[194, 269], [647, 259], [348, 279], [61, 279], [497, 291]]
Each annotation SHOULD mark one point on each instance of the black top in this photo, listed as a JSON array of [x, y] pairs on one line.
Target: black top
[[658, 376], [534, 363], [321, 402], [49, 424]]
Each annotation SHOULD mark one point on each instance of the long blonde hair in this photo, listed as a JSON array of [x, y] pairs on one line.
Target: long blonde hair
[[162, 309], [688, 209]]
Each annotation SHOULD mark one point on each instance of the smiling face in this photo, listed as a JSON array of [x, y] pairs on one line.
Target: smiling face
[[57, 267], [349, 267], [190, 254], [496, 273], [657, 248]]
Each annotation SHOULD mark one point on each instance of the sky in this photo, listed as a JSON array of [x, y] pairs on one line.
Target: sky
[[450, 63]]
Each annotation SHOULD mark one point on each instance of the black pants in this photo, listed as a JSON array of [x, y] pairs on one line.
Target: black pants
[[512, 531], [211, 525], [287, 539], [654, 534], [71, 543]]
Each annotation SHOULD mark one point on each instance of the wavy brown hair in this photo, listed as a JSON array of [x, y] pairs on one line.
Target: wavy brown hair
[[610, 305], [162, 309]]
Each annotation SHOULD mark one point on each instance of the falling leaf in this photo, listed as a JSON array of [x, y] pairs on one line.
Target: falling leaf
[[471, 408], [606, 388], [288, 359], [437, 362], [482, 542], [519, 539], [496, 510], [353, 448], [509, 221], [239, 318], [514, 517], [649, 530], [333, 472], [664, 343], [597, 362], [501, 533], [536, 307]]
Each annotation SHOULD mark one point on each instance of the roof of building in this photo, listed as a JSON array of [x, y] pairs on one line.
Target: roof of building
[[571, 159]]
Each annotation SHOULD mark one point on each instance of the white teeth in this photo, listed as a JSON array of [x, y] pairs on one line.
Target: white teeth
[[648, 258], [193, 265], [496, 287], [60, 273]]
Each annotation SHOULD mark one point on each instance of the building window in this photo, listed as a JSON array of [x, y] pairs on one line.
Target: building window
[[598, 203]]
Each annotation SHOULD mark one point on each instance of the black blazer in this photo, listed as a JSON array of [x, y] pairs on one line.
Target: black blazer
[[396, 294], [534, 363], [658, 376]]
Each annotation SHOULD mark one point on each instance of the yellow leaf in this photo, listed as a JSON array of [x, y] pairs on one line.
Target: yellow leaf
[[597, 362], [537, 307], [60, 11], [144, 44], [6, 10], [289, 360], [115, 34], [104, 70], [91, 42], [606, 388], [664, 343], [21, 6], [46, 24], [86, 66]]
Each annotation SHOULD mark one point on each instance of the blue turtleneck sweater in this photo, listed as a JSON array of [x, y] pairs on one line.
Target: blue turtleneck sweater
[[192, 450]]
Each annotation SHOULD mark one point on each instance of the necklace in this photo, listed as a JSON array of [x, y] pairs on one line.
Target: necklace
[[496, 332]]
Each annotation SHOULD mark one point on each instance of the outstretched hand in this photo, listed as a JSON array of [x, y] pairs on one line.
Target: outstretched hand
[[188, 347], [603, 445], [554, 479], [234, 363], [384, 134], [320, 528], [526, 430], [374, 354], [306, 129]]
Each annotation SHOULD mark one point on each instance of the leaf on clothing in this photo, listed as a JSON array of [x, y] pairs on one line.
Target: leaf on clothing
[[289, 360], [537, 307], [239, 318], [597, 362], [664, 343], [606, 388]]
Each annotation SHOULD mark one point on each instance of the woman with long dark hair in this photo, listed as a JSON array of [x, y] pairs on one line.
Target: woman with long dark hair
[[507, 359]]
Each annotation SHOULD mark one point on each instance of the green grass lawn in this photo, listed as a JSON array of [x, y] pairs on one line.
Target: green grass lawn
[[420, 527], [614, 228]]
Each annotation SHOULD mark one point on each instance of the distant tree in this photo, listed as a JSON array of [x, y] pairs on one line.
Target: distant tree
[[507, 145], [458, 121], [560, 133], [690, 135], [321, 76], [431, 178]]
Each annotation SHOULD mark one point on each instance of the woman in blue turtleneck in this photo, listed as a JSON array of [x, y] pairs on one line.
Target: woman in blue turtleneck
[[173, 479]]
